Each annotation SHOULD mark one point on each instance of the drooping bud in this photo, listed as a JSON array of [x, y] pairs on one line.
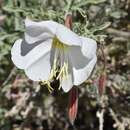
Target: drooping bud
[[68, 21], [102, 83], [73, 104]]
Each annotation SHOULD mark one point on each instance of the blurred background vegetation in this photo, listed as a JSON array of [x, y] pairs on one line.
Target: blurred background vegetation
[[25, 105]]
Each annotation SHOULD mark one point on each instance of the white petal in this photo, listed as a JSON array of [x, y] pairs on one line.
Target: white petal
[[23, 62], [83, 60], [48, 29], [36, 31], [68, 37], [67, 83], [16, 54], [39, 70], [89, 47], [80, 75]]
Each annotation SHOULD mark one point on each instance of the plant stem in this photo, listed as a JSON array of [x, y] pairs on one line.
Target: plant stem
[[70, 5]]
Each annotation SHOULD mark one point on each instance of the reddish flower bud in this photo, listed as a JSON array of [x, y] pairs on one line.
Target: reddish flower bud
[[68, 21], [73, 104], [102, 83]]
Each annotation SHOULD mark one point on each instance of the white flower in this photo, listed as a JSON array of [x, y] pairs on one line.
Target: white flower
[[49, 47]]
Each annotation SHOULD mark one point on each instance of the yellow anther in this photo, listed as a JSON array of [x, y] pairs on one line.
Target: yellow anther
[[47, 82]]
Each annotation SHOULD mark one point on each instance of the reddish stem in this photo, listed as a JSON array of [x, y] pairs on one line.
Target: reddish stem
[[103, 76]]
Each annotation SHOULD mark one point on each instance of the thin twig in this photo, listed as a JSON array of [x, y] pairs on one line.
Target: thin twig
[[118, 32], [9, 77], [69, 6], [104, 56], [118, 124]]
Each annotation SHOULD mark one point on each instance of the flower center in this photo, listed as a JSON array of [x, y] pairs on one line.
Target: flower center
[[60, 66], [59, 45], [60, 63]]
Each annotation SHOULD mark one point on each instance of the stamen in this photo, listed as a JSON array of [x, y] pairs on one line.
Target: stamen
[[66, 70], [63, 72], [47, 82], [54, 69]]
